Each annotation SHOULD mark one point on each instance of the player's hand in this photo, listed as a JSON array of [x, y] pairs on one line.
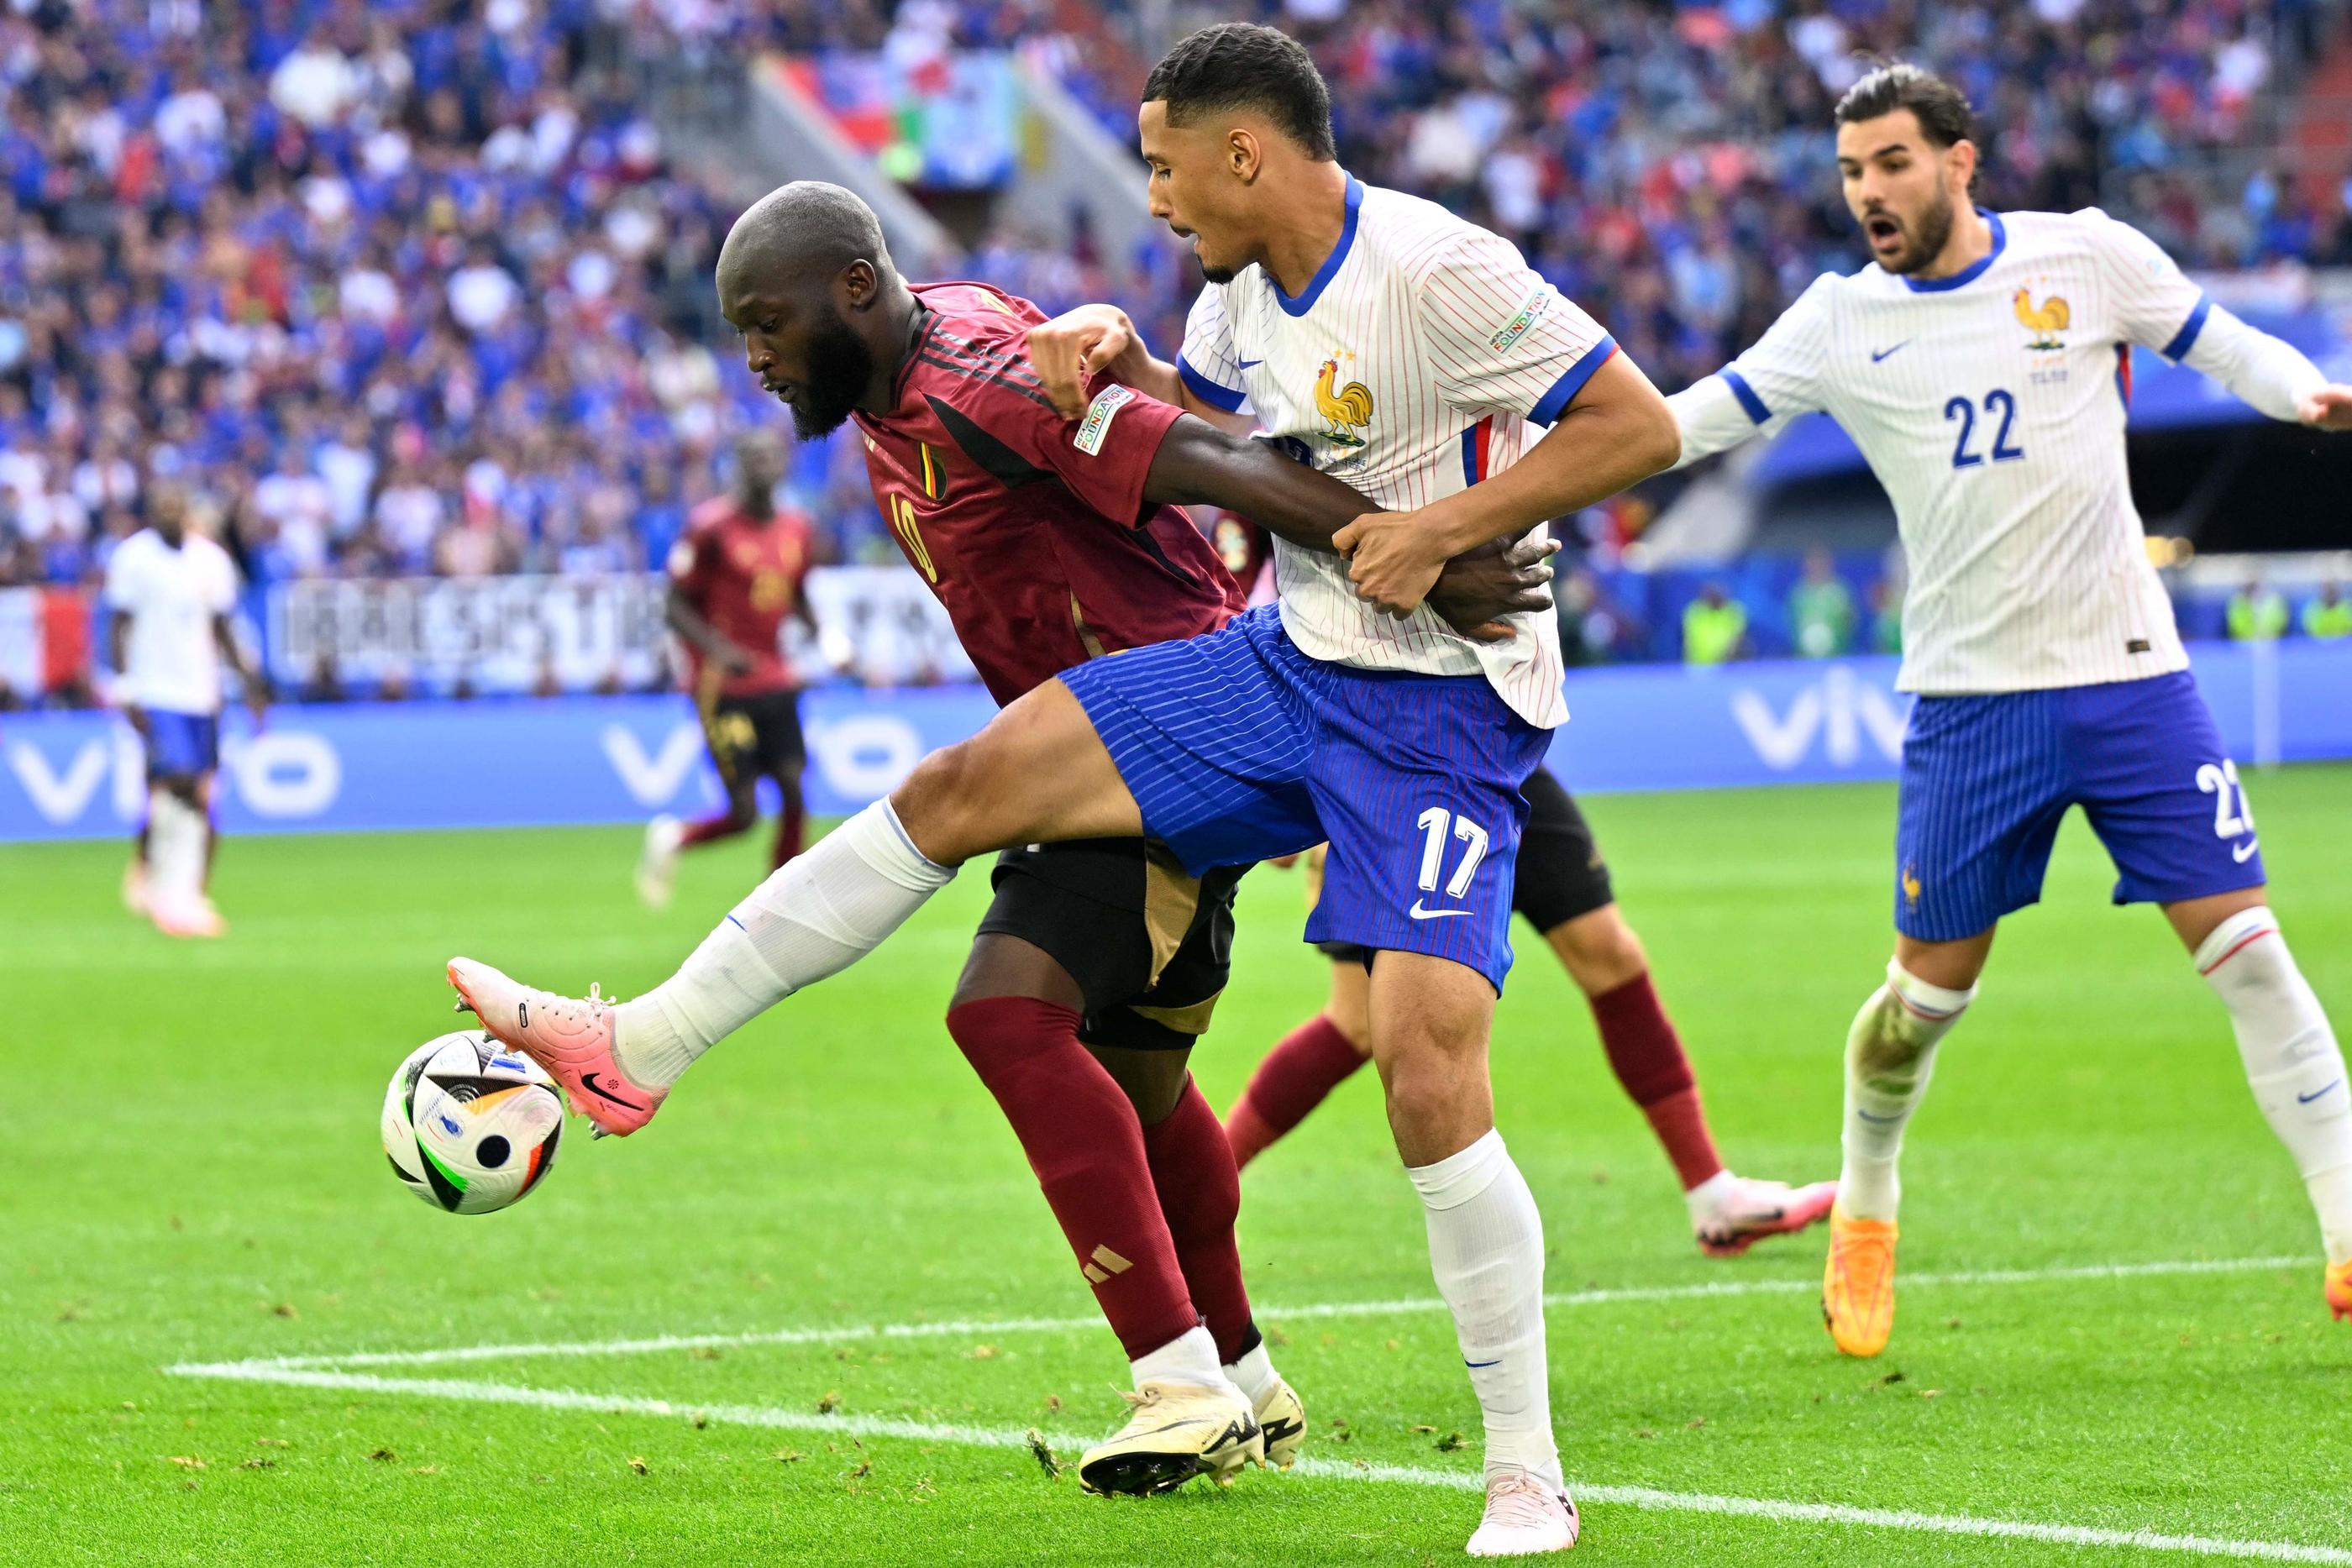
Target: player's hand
[[1479, 587], [256, 698], [2330, 408], [1074, 347], [137, 716], [1393, 559], [838, 650], [733, 659]]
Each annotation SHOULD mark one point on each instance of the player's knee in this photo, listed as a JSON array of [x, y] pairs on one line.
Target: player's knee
[[184, 788], [1426, 1085], [1599, 950]]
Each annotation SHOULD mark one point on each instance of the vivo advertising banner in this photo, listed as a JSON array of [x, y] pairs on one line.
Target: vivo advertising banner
[[495, 763]]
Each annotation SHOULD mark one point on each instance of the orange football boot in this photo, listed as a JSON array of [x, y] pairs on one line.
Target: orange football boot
[[1858, 1284]]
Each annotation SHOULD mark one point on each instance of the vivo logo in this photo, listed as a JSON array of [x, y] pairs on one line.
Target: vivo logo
[[287, 774], [1837, 710]]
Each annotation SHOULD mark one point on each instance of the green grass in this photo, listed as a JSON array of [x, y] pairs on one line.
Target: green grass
[[192, 1174]]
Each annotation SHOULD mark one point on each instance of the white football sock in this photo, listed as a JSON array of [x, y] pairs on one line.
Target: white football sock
[[1890, 1052], [1485, 1247], [1190, 1358], [1254, 1373], [175, 851], [814, 916], [2292, 1063]]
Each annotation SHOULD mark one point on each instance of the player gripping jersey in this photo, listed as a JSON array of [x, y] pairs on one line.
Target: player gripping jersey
[[1983, 365], [1237, 745]]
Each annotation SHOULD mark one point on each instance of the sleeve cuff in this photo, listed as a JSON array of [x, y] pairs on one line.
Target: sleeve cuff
[[1554, 402], [1224, 398], [2186, 338], [1750, 403]]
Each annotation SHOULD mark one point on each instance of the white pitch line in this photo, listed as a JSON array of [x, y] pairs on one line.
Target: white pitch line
[[957, 1327], [847, 1425]]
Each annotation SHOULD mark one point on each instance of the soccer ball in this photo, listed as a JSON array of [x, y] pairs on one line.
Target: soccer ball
[[469, 1125]]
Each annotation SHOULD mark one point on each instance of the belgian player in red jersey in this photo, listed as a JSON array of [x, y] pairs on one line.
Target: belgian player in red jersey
[[735, 576], [1050, 542]]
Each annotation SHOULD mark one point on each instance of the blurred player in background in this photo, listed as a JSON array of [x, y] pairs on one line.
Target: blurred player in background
[[1983, 367], [172, 590], [1563, 891], [737, 574]]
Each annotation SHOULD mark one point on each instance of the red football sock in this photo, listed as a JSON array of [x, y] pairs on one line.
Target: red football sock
[[1647, 1057], [709, 829], [1200, 1193], [789, 834], [1087, 1149], [1296, 1076]]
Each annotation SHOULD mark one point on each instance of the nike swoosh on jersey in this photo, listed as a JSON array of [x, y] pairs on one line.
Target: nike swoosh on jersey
[[1418, 913], [2244, 852], [1878, 354], [1247, 364]]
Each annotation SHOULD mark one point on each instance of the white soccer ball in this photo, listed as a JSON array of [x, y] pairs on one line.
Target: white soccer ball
[[470, 1126]]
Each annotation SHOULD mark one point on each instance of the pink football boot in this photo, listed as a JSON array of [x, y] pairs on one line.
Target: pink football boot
[[571, 1037]]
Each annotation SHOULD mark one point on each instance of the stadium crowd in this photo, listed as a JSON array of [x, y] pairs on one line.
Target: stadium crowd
[[409, 288]]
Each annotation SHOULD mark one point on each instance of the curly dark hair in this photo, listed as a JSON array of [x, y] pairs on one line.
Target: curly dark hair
[[1239, 65]]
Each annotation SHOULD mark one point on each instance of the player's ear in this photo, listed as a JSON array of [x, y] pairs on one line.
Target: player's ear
[[860, 285], [1963, 163], [1244, 156]]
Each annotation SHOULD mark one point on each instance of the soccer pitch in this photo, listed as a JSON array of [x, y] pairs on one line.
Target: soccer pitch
[[813, 1315]]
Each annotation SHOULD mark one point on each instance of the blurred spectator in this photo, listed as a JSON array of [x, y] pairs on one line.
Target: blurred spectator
[[2257, 612], [1714, 627], [2327, 618], [1886, 616], [1821, 609]]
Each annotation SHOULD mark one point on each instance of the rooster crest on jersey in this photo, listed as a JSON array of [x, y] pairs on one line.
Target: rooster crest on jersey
[[1349, 408], [2045, 320]]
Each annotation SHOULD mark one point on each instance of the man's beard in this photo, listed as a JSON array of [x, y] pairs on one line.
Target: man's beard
[[1935, 233], [1217, 274], [841, 366]]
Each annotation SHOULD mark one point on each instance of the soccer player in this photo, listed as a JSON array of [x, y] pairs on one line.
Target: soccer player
[[1100, 961], [1353, 712], [1562, 888], [735, 575], [172, 590], [1983, 363], [1564, 892]]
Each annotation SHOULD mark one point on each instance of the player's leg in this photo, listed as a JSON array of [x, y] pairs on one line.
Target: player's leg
[[184, 749], [731, 737], [1564, 889], [783, 754], [1983, 787], [2165, 797], [1314, 1059], [134, 874], [1201, 727], [1418, 788]]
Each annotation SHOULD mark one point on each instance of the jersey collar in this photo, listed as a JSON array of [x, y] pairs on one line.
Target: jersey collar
[[1970, 273], [1330, 267]]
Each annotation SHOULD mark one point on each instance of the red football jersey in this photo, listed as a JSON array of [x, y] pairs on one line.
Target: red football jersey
[[743, 575], [1030, 527]]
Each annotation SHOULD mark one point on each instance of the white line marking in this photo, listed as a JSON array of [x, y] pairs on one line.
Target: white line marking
[[953, 1328], [1328, 1470]]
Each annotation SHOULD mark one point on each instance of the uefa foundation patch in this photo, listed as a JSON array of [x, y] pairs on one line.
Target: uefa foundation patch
[[1094, 429]]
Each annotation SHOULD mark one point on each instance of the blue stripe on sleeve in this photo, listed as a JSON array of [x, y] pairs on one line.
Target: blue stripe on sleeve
[[1553, 403], [1752, 405], [1207, 390], [2186, 338]]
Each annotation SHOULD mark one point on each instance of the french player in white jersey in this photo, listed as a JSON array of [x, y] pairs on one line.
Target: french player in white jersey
[[1981, 363], [171, 591], [1350, 716]]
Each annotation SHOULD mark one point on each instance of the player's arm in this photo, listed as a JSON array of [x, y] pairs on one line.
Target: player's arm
[[692, 560], [1498, 339], [1073, 348], [1197, 465], [1763, 388], [248, 670], [118, 649], [2159, 306]]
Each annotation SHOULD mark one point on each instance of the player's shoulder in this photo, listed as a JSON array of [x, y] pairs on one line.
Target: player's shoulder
[[981, 314], [974, 353], [711, 516], [1415, 235]]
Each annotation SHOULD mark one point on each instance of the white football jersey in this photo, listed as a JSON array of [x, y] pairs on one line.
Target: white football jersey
[[170, 662], [1421, 359], [1992, 405]]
